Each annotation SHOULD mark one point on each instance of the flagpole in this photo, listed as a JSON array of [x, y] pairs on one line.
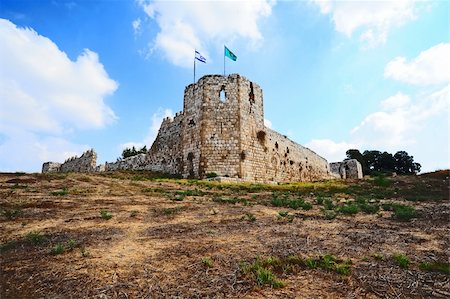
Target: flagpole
[[224, 61]]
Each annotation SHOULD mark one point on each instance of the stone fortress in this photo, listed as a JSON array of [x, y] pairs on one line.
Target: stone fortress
[[221, 130]]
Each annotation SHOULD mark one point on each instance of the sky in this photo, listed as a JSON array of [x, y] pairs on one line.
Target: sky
[[336, 75]]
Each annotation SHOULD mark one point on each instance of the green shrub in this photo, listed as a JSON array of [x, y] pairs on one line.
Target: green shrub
[[210, 175], [382, 181], [311, 263], [105, 214], [369, 208], [72, 244], [328, 204], [401, 260]]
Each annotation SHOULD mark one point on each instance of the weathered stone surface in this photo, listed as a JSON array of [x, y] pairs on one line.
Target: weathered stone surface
[[51, 167], [131, 163], [86, 163], [347, 169]]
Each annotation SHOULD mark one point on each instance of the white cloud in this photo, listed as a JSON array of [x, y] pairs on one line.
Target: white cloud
[[136, 26], [268, 123], [398, 125], [371, 19], [44, 94], [188, 25], [330, 150], [156, 121], [432, 66], [396, 101]]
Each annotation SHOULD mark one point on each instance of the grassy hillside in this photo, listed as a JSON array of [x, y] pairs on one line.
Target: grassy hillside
[[137, 235]]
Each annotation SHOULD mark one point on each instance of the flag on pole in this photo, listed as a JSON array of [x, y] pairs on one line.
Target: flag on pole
[[230, 54], [199, 57]]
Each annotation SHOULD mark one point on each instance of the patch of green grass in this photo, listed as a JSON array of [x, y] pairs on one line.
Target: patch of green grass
[[284, 215], [19, 186], [71, 244], [311, 263], [249, 217], [262, 273], [328, 204], [8, 245], [57, 249], [329, 214], [404, 212], [401, 212], [369, 208], [234, 200], [12, 213], [435, 267], [401, 260], [171, 211], [287, 202], [35, 238], [349, 209], [319, 200], [381, 181], [194, 192], [378, 256], [62, 192], [105, 214], [208, 262]]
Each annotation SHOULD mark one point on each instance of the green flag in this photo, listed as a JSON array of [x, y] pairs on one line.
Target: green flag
[[230, 54]]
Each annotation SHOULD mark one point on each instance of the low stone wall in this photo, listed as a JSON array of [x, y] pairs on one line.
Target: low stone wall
[[138, 162], [347, 169], [51, 167]]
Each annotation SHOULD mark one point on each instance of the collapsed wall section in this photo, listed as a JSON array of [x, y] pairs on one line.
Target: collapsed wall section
[[86, 163], [166, 153], [347, 169]]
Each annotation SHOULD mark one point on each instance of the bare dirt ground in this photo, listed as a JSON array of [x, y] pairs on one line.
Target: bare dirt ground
[[192, 239]]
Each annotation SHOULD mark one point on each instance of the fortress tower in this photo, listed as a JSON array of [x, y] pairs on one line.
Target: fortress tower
[[221, 130]]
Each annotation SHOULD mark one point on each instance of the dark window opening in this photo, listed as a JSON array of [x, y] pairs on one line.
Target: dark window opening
[[276, 145], [251, 95], [190, 156], [287, 150], [261, 135], [192, 122], [243, 155], [291, 162]]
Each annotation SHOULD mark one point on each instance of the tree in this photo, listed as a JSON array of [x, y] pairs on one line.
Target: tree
[[404, 163], [129, 152]]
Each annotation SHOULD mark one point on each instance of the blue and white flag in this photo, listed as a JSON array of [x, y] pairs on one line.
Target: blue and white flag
[[199, 57]]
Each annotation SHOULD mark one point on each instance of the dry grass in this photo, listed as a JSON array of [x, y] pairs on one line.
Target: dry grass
[[181, 238]]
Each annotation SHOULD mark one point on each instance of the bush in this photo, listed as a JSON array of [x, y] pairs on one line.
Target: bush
[[210, 175], [57, 249], [36, 238], [402, 212], [329, 214]]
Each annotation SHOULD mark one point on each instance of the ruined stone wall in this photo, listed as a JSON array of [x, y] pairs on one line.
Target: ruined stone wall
[[166, 153], [86, 163], [347, 169], [51, 167], [289, 161], [137, 162]]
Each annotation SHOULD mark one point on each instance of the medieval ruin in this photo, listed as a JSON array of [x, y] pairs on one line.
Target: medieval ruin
[[220, 131]]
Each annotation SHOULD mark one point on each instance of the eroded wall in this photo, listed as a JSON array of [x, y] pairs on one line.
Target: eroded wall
[[87, 162]]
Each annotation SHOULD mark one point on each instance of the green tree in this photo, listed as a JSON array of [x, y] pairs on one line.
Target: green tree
[[129, 152], [404, 163]]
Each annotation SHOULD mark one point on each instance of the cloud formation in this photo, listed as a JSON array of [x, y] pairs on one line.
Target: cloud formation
[[44, 94], [190, 25], [431, 67], [371, 20]]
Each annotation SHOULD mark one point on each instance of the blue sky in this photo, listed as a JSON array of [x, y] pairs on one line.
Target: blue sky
[[336, 75]]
